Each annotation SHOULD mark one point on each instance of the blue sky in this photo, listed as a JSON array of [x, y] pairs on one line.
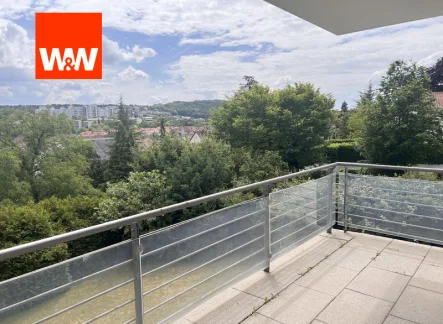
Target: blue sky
[[165, 50]]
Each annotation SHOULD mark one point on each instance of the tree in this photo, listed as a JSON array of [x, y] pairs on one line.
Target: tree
[[11, 186], [162, 128], [402, 126], [344, 107], [24, 224], [121, 150], [294, 121], [436, 74], [250, 83], [356, 117], [51, 161]]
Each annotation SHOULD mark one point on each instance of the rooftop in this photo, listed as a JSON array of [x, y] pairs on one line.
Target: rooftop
[[438, 99]]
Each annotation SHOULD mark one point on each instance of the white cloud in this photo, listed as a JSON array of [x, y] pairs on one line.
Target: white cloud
[[112, 53], [16, 49], [283, 49], [130, 74], [5, 92]]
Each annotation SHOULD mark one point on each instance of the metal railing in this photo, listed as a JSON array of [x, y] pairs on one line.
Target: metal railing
[[160, 276]]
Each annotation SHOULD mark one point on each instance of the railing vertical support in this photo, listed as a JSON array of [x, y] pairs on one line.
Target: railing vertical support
[[330, 191], [345, 205], [137, 250], [267, 228]]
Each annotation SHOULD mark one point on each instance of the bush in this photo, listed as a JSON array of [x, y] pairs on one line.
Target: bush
[[342, 152]]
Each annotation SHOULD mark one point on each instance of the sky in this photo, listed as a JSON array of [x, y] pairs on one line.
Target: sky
[[157, 51]]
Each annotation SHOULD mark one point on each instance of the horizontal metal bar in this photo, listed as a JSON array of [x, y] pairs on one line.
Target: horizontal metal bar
[[388, 167], [63, 286], [283, 238], [300, 206], [202, 249], [402, 224], [395, 179], [212, 292], [109, 311], [203, 265], [66, 237], [396, 190], [83, 302], [301, 240], [397, 212], [291, 199], [201, 233], [397, 201], [199, 283], [398, 234], [296, 220]]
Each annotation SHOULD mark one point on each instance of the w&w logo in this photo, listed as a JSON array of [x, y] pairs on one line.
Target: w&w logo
[[68, 46]]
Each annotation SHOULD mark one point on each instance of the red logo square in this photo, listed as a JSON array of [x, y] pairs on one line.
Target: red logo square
[[68, 46]]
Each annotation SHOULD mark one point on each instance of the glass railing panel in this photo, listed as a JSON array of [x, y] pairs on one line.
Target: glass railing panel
[[403, 207], [80, 288], [199, 257], [299, 213]]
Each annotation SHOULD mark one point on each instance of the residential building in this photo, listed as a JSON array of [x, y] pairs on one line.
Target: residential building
[[438, 99]]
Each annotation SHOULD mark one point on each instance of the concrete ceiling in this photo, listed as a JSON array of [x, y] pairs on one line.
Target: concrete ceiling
[[347, 16]]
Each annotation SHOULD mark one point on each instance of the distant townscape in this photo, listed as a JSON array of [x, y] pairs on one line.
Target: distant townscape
[[87, 115]]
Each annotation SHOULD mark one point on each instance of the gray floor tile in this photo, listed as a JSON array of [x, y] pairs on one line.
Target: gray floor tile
[[408, 248], [395, 320], [296, 305], [183, 321], [230, 307], [338, 234], [406, 265], [327, 278], [380, 283], [369, 242], [354, 308], [264, 284], [350, 258], [420, 306], [428, 277], [257, 318], [434, 256]]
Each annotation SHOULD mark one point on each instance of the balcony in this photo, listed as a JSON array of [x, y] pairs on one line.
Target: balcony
[[209, 269]]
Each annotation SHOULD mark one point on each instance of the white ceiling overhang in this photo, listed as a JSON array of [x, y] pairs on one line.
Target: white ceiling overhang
[[347, 16]]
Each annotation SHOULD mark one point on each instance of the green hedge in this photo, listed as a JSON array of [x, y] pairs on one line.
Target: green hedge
[[342, 152]]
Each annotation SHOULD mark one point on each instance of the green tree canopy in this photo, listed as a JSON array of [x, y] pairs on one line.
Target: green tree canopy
[[402, 126], [436, 74], [51, 161], [293, 121], [121, 150]]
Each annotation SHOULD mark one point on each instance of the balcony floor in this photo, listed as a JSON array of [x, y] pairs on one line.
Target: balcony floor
[[337, 279]]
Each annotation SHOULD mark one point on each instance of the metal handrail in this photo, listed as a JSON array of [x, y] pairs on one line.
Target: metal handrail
[[70, 236]]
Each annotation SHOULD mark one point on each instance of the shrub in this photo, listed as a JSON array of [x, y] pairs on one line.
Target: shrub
[[342, 152]]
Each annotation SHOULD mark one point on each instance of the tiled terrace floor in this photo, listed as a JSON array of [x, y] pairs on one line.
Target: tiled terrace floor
[[337, 279]]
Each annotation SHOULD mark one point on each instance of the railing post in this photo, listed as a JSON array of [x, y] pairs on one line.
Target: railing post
[[267, 228], [330, 191], [345, 205], [137, 250]]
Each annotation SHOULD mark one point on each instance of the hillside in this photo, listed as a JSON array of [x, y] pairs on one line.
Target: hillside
[[195, 109]]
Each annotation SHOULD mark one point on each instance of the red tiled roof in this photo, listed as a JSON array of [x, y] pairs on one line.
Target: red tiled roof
[[438, 99]]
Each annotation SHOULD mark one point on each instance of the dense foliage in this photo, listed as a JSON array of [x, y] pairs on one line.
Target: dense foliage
[[401, 125], [294, 121], [194, 109]]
